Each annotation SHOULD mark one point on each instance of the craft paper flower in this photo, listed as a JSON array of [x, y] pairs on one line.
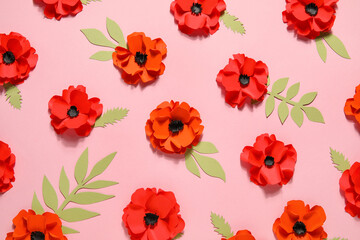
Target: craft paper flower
[[197, 16], [7, 163], [350, 185], [142, 60], [243, 78], [29, 225], [17, 58], [61, 8], [352, 105], [173, 127], [153, 214], [310, 17], [241, 235], [271, 161], [300, 222], [74, 110]]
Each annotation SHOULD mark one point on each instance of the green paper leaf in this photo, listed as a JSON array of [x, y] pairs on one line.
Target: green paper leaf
[[96, 37], [64, 183], [36, 205], [111, 116], [320, 46], [191, 164], [221, 226], [49, 194], [81, 167], [338, 238], [85, 2], [205, 147], [283, 111], [279, 85], [268, 81], [232, 23], [307, 98], [100, 166], [13, 95], [179, 235], [210, 166], [100, 184], [336, 45], [67, 230], [293, 91], [115, 32], [76, 214], [102, 56], [297, 115], [269, 105], [86, 198], [341, 163], [313, 114]]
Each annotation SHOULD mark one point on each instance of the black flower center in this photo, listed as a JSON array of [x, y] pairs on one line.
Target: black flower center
[[140, 58], [37, 236], [311, 9], [176, 126], [73, 112], [299, 228], [196, 8], [269, 161], [244, 79], [8, 58], [151, 219]]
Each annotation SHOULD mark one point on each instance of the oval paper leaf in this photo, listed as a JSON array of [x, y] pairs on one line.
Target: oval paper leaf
[[97, 38], [115, 32], [320, 46], [49, 194], [86, 198], [279, 85], [210, 166], [269, 105], [76, 214], [293, 91], [101, 166], [221, 226], [13, 95], [81, 166], [102, 55], [297, 115], [36, 205], [313, 114], [283, 112], [205, 147], [341, 163], [336, 45], [67, 230], [100, 184], [191, 164], [308, 98], [64, 183]]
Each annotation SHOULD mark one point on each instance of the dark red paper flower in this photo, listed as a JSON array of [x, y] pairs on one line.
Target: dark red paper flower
[[241, 235], [271, 161], [74, 110], [197, 16], [7, 163], [17, 58], [350, 185], [61, 8], [352, 106], [310, 17], [153, 215], [243, 78]]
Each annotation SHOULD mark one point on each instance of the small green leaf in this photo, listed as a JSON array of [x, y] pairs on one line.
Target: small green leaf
[[102, 55], [179, 235], [76, 214], [36, 205], [338, 238], [283, 111], [279, 85], [64, 183], [67, 230], [191, 164], [232, 23], [115, 32], [268, 81], [336, 45], [269, 105], [96, 37], [49, 194], [81, 167], [313, 114], [101, 166], [210, 166], [205, 147], [13, 95], [86, 198], [320, 46], [221, 226], [111, 116], [307, 98], [297, 115], [85, 2], [100, 184], [339, 160], [293, 91]]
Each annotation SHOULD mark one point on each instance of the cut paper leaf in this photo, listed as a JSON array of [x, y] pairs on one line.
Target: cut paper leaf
[[13, 95], [210, 166], [100, 184], [336, 45], [336, 238], [49, 194], [191, 164], [232, 23], [36, 205], [85, 2], [283, 111], [205, 147], [178, 236], [100, 166], [308, 98], [339, 160], [293, 91], [102, 55], [297, 115], [64, 183], [86, 198], [96, 37], [269, 105], [115, 32], [280, 85], [67, 230], [81, 167], [111, 117], [76, 214], [221, 226], [313, 114], [320, 46]]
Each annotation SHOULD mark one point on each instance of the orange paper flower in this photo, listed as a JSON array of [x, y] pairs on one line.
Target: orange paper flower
[[173, 127], [352, 106], [241, 235]]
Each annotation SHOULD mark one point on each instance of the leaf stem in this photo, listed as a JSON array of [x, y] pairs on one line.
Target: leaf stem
[[275, 95]]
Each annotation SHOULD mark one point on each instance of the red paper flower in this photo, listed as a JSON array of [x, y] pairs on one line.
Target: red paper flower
[[352, 105], [7, 163], [243, 78], [30, 226], [350, 185], [299, 222], [310, 17], [241, 235], [173, 127], [153, 215], [61, 8], [74, 110], [197, 16], [17, 58], [142, 61], [271, 161]]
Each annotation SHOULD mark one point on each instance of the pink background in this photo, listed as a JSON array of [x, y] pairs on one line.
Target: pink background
[[191, 68]]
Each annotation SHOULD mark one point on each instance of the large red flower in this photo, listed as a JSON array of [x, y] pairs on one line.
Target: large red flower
[[352, 106], [74, 110], [350, 185], [153, 215], [241, 235], [7, 163], [243, 78], [17, 58], [271, 161], [197, 16], [61, 8], [310, 17]]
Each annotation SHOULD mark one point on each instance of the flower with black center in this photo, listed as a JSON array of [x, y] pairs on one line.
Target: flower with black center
[[61, 8], [350, 186], [309, 18], [241, 235], [153, 214], [74, 110], [30, 226], [174, 127], [7, 163], [271, 161], [299, 222]]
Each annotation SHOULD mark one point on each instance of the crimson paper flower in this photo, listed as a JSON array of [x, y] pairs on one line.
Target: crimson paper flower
[[7, 163], [61, 8], [241, 235], [243, 78], [271, 161], [74, 110], [310, 17], [197, 16], [153, 215], [350, 185]]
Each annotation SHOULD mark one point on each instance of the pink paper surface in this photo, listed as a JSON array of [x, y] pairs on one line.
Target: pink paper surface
[[191, 68]]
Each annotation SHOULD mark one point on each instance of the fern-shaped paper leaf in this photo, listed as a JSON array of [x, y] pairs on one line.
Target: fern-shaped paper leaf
[[111, 116], [232, 23], [339, 160], [13, 95], [221, 226], [85, 2]]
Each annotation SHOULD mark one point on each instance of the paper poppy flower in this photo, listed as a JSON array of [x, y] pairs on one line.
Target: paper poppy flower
[[243, 78], [29, 225], [310, 17], [352, 105], [197, 16], [241, 235], [74, 110], [300, 222], [17, 58], [7, 163], [271, 161], [173, 127], [153, 214], [350, 185], [61, 8], [142, 60]]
